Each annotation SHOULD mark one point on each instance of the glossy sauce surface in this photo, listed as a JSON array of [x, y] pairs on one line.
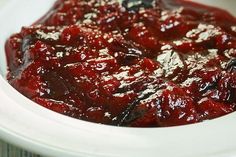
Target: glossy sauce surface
[[136, 63]]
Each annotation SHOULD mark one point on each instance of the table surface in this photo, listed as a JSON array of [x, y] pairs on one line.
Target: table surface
[[8, 150]]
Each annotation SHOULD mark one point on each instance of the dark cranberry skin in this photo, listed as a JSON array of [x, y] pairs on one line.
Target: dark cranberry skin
[[136, 63]]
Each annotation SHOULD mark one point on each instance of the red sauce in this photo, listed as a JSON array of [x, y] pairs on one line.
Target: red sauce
[[137, 63]]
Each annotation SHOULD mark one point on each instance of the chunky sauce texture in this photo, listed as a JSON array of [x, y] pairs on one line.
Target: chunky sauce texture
[[136, 63]]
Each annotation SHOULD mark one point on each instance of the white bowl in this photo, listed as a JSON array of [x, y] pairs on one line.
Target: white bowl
[[40, 130]]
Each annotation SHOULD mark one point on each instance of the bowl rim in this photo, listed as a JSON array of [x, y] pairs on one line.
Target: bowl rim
[[43, 131]]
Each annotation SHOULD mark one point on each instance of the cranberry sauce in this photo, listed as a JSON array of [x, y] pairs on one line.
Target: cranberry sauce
[[136, 63]]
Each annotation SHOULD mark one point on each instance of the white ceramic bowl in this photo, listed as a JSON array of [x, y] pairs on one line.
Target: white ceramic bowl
[[40, 130]]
